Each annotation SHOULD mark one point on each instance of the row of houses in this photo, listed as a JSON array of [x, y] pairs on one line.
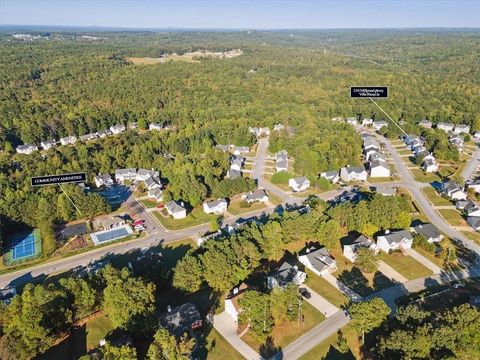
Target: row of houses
[[375, 124], [235, 150], [416, 145], [377, 163], [447, 127], [70, 140]]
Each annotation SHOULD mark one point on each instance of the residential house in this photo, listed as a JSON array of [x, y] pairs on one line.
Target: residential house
[[144, 174], [48, 144], [278, 127], [122, 175], [385, 190], [461, 129], [88, 137], [475, 185], [447, 127], [7, 294], [318, 260], [367, 122], [68, 140], [377, 125], [352, 120], [281, 161], [155, 126], [379, 168], [331, 176], [103, 180], [117, 129], [299, 184], [395, 240], [216, 207], [474, 222], [284, 275], [232, 306], [224, 148], [152, 183], [156, 194], [425, 123], [457, 141], [258, 195], [476, 135], [241, 150], [183, 318], [259, 132], [429, 164], [453, 190], [26, 149], [336, 119], [133, 126], [472, 210], [104, 133], [353, 173], [111, 222], [462, 204], [429, 232], [236, 163], [350, 250], [376, 156], [233, 174], [175, 210]]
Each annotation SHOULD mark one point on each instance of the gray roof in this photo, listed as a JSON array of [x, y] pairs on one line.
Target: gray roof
[[285, 273], [224, 148], [104, 132], [473, 221], [385, 190], [355, 169], [150, 181], [319, 258], [125, 171], [331, 174], [49, 142], [217, 202], [180, 319], [449, 185], [397, 236], [256, 195], [378, 163], [281, 163], [377, 156], [283, 154], [233, 173], [104, 177], [301, 180], [429, 231], [173, 207], [236, 161], [25, 147]]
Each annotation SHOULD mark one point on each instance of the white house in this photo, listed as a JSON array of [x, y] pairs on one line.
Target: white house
[[317, 260], [457, 141], [156, 194], [259, 132], [48, 144], [429, 165], [476, 135], [26, 149], [104, 133], [367, 122], [258, 195], [278, 127], [232, 306], [350, 250], [401, 239], [236, 163], [122, 175], [117, 129], [447, 127], [68, 140], [385, 190], [155, 126], [88, 137], [299, 184], [241, 150], [352, 120], [379, 168], [103, 180], [461, 129], [425, 123], [285, 275], [224, 148], [475, 185], [331, 176], [144, 174], [175, 210], [429, 232], [377, 125], [453, 190], [281, 161], [353, 173], [152, 183], [216, 207]]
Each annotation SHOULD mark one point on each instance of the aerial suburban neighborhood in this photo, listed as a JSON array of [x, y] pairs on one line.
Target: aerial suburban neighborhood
[[182, 193]]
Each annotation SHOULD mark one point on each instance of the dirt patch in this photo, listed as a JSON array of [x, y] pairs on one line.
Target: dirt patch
[[187, 57]]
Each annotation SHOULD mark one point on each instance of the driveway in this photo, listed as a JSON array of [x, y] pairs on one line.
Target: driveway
[[320, 303], [472, 165], [391, 273], [342, 287], [424, 261]]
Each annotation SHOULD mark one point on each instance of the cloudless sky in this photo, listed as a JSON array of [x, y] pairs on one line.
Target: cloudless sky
[[270, 14]]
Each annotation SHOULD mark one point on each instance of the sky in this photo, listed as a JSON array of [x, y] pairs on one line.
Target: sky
[[243, 14]]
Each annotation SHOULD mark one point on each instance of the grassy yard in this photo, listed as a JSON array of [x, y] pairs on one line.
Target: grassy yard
[[376, 180], [419, 175], [325, 289], [148, 203], [236, 209], [218, 348], [275, 200], [453, 217], [195, 217], [405, 265], [434, 198], [327, 350], [472, 235], [96, 330], [283, 334]]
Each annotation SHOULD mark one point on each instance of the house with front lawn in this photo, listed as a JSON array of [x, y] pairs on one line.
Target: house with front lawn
[[299, 184], [144, 174], [48, 144], [181, 319], [151, 183], [377, 125], [122, 175], [103, 180], [461, 129], [453, 190], [429, 165], [155, 194], [177, 211], [68, 140], [395, 240], [241, 150], [331, 176], [117, 129], [281, 161], [216, 207], [350, 250], [284, 275], [425, 123], [447, 127], [317, 259], [379, 168], [385, 190], [472, 210], [457, 141], [254, 196], [429, 232], [353, 173], [26, 149], [155, 126], [236, 163], [233, 174]]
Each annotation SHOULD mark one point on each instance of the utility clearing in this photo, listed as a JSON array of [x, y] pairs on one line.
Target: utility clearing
[[188, 57]]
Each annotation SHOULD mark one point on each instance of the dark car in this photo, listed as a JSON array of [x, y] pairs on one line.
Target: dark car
[[305, 293]]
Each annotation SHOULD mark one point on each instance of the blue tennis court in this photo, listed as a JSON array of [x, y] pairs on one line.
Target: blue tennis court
[[23, 246]]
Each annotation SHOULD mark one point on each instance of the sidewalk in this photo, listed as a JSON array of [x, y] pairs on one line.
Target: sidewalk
[[342, 287], [320, 303], [391, 273], [225, 325], [424, 261]]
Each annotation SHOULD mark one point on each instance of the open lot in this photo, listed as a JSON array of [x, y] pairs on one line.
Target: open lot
[[235, 207], [194, 218], [453, 217], [434, 198], [405, 265]]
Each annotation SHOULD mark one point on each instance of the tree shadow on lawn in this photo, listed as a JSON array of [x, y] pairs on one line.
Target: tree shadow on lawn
[[355, 280], [334, 354], [381, 282], [269, 350]]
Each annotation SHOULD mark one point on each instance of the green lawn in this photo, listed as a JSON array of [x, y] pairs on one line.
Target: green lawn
[[325, 289], [283, 334], [453, 217], [148, 203], [419, 175], [375, 180], [236, 209], [434, 198], [96, 330], [194, 218], [327, 350], [275, 200], [218, 348], [405, 265]]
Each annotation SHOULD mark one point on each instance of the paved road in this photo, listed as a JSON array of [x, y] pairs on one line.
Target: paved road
[[472, 165]]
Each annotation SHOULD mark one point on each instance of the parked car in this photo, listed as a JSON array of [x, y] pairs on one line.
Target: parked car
[[305, 293]]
